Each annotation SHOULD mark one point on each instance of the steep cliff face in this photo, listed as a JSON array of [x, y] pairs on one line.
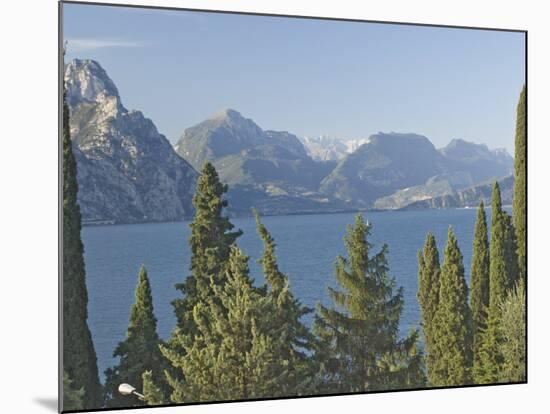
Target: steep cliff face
[[127, 171]]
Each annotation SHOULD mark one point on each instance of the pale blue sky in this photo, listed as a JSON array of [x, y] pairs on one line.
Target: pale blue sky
[[309, 77]]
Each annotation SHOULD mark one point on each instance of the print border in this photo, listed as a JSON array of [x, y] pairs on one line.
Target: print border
[[292, 16]]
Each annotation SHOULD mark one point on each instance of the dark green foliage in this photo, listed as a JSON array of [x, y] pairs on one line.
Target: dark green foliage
[[520, 185], [210, 242], [139, 352], [428, 296], [502, 274], [79, 357], [498, 272], [72, 399], [489, 358], [360, 346], [503, 259], [513, 339], [452, 322], [479, 280], [154, 395], [293, 337], [233, 355], [511, 249]]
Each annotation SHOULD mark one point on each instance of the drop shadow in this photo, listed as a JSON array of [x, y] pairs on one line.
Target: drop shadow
[[49, 403]]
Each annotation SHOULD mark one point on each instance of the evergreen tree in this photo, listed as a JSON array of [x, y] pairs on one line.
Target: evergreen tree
[[489, 358], [79, 357], [452, 322], [153, 394], [489, 361], [520, 184], [139, 352], [511, 251], [501, 264], [72, 399], [479, 281], [428, 296], [513, 339], [360, 335], [232, 355], [210, 242], [293, 337]]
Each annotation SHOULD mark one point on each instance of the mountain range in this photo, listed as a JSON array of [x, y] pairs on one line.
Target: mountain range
[[269, 170], [129, 172]]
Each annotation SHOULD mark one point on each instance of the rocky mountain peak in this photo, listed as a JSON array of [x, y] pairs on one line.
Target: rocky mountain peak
[[228, 113], [503, 154], [465, 150], [87, 82], [127, 171], [398, 141]]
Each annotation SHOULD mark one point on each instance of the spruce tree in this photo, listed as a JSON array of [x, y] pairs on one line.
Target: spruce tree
[[479, 281], [210, 242], [428, 296], [520, 184], [452, 322], [294, 339], [139, 352], [79, 357], [232, 354], [362, 350]]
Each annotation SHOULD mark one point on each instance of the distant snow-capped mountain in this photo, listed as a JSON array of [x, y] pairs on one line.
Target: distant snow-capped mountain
[[325, 148]]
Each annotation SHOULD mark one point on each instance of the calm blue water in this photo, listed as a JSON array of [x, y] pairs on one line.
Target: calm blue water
[[306, 249]]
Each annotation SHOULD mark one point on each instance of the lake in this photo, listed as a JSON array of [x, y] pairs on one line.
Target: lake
[[306, 248]]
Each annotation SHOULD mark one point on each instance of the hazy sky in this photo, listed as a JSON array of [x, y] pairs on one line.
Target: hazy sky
[[309, 77]]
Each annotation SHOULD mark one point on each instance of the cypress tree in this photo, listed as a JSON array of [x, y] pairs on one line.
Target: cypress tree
[[232, 355], [511, 251], [210, 242], [489, 360], [479, 280], [513, 345], [452, 322], [79, 357], [72, 399], [360, 334], [294, 338], [503, 268], [428, 296], [139, 352], [520, 184], [498, 268]]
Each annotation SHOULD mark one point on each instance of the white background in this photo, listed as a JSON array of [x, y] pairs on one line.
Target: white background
[[28, 194]]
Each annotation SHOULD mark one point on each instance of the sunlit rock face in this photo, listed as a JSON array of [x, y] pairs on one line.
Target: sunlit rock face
[[127, 171]]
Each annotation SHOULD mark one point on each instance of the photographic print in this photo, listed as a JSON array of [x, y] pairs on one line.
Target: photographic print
[[260, 207]]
